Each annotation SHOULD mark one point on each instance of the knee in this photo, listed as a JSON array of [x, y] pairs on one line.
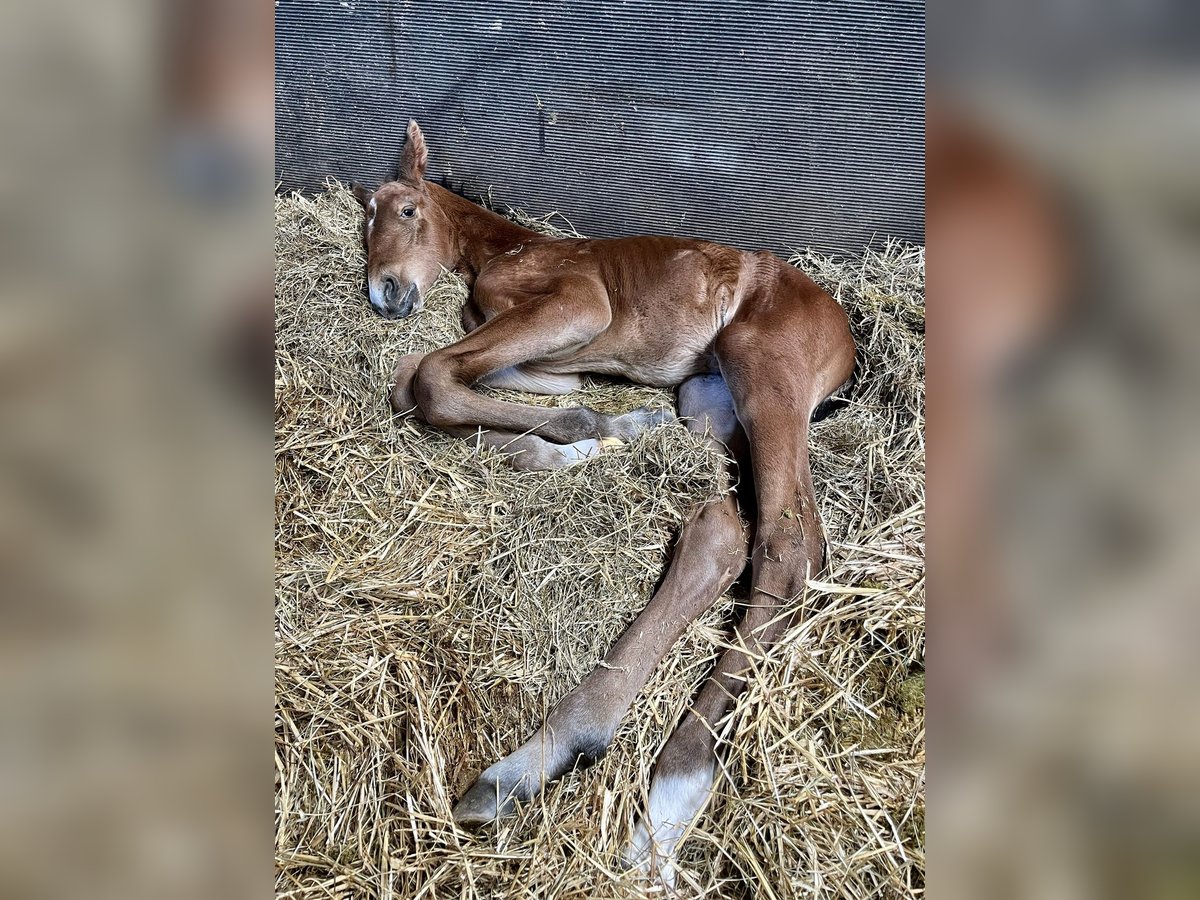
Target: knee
[[434, 392], [723, 525]]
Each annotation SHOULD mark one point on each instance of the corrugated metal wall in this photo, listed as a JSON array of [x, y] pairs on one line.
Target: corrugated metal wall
[[762, 125]]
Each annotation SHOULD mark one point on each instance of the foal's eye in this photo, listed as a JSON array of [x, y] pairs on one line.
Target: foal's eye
[[408, 212]]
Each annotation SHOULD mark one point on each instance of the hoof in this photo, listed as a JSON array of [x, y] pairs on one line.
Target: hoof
[[629, 426], [477, 806], [654, 863], [486, 801], [569, 454], [643, 854]]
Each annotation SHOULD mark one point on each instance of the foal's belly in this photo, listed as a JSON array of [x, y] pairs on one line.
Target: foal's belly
[[651, 366], [662, 372]]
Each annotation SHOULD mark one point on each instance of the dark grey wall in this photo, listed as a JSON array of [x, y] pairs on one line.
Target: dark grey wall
[[762, 125]]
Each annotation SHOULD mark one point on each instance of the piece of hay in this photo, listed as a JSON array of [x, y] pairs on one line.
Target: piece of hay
[[432, 604]]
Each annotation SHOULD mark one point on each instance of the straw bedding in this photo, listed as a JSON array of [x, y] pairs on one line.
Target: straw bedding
[[432, 604]]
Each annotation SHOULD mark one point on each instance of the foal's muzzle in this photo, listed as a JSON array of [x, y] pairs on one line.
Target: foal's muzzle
[[392, 299]]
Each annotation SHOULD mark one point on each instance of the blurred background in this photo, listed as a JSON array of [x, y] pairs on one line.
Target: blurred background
[[1063, 209], [135, 449]]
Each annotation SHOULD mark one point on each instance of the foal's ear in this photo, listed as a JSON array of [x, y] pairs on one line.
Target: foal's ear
[[361, 194], [415, 154]]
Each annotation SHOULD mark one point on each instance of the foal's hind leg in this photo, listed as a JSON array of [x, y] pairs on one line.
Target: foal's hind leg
[[777, 376], [709, 556]]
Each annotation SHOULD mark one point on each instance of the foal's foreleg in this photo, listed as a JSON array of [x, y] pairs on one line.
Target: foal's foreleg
[[526, 452], [709, 556], [573, 317]]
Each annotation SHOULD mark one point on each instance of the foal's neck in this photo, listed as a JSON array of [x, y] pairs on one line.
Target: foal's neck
[[480, 234]]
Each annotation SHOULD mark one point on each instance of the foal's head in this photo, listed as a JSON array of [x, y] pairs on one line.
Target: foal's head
[[408, 236]]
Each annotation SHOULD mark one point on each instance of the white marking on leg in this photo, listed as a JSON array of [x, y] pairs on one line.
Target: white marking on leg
[[675, 802], [580, 450]]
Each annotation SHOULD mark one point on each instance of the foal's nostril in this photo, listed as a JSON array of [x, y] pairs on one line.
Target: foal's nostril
[[409, 300], [389, 288]]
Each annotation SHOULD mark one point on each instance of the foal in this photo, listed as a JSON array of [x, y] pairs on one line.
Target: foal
[[754, 346]]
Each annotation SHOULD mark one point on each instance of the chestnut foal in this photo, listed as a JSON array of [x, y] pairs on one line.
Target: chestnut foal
[[754, 346]]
